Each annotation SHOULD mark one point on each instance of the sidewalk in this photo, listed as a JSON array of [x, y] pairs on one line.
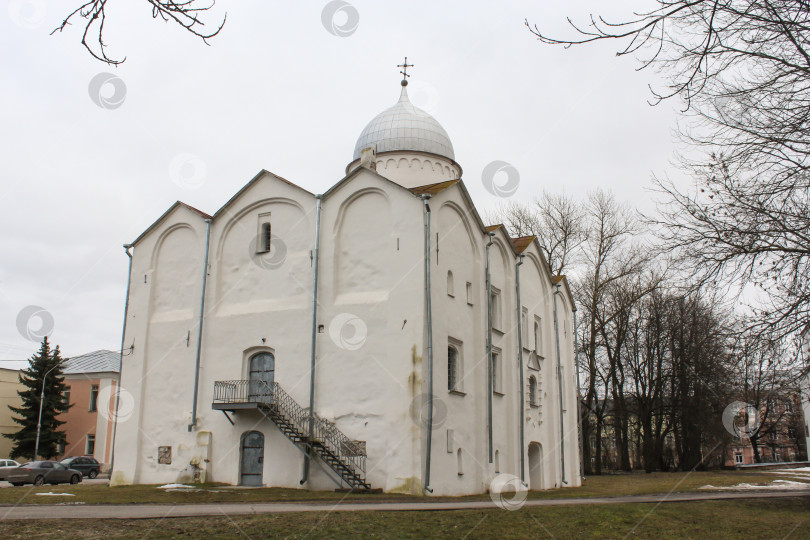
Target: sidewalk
[[143, 511]]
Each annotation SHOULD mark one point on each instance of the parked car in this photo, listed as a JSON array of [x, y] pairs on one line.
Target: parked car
[[40, 472], [5, 466], [88, 466]]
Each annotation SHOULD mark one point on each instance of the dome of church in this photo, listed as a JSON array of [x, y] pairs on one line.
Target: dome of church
[[405, 127]]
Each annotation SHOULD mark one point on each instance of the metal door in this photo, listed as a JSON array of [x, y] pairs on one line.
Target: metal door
[[262, 374], [252, 459]]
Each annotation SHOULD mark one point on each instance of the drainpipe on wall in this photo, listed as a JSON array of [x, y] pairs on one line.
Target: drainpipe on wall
[[308, 455], [490, 382], [429, 314], [521, 393], [127, 247], [200, 326], [579, 403], [559, 382]]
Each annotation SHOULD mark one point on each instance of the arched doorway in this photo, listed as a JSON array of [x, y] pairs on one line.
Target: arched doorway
[[535, 466], [252, 459], [261, 372]]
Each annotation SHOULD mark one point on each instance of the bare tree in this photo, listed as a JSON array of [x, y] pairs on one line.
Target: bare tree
[[765, 378], [742, 69], [186, 13], [556, 219]]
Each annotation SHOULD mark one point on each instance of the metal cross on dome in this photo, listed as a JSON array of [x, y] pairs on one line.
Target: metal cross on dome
[[404, 71]]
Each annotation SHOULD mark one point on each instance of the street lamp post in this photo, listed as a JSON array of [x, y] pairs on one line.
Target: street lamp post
[[41, 399]]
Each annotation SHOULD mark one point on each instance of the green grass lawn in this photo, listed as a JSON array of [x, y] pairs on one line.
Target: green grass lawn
[[595, 486], [761, 518]]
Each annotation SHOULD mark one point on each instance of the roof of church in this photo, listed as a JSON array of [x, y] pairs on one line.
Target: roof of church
[[203, 214], [405, 127], [491, 228], [166, 214], [433, 189], [521, 243], [102, 361]]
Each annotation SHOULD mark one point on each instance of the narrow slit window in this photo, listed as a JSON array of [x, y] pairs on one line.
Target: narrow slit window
[[266, 237], [452, 368]]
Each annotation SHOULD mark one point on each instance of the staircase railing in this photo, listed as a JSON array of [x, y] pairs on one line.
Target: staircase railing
[[273, 396]]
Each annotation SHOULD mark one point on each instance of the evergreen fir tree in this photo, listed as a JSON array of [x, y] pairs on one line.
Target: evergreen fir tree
[[44, 361]]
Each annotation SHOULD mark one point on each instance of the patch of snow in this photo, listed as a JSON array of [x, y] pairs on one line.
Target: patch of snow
[[57, 494], [175, 486], [776, 484], [800, 470]]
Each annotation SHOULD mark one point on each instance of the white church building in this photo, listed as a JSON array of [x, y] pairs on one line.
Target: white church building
[[376, 336]]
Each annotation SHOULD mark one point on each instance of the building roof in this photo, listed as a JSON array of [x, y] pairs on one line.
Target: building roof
[[178, 204], [521, 243], [433, 189], [405, 127], [102, 361]]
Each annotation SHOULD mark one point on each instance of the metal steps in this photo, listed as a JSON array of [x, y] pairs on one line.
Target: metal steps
[[345, 457]]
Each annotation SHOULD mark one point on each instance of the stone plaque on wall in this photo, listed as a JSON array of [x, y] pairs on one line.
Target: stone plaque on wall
[[165, 455]]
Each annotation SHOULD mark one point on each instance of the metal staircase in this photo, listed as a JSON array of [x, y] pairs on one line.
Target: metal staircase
[[344, 456]]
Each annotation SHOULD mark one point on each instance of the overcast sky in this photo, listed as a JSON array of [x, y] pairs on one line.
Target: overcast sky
[[277, 90]]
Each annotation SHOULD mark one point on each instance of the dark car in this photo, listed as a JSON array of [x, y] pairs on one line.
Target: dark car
[[41, 472], [88, 466]]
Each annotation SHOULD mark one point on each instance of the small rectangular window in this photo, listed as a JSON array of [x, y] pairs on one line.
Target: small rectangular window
[[90, 447], [538, 337], [455, 365], [94, 398], [66, 396], [496, 308], [469, 293], [524, 326], [450, 444], [497, 372], [264, 235]]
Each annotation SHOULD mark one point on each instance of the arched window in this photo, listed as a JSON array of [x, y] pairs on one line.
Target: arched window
[[452, 368], [451, 291], [497, 461], [532, 391], [266, 237], [460, 468]]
